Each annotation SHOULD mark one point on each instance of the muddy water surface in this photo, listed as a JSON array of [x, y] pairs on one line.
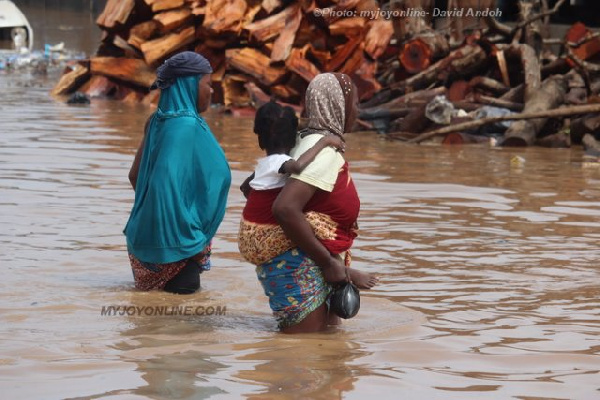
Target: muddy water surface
[[489, 278]]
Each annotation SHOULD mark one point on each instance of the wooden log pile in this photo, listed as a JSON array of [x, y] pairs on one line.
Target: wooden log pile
[[400, 59], [539, 97], [258, 49]]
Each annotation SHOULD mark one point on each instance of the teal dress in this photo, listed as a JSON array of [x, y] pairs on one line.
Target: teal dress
[[183, 181]]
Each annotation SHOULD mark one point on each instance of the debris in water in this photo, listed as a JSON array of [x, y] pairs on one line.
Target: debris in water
[[78, 98]]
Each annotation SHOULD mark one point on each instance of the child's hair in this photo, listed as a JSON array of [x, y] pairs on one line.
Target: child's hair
[[276, 126]]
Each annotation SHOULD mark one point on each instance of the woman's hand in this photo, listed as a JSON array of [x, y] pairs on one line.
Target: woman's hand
[[335, 271]]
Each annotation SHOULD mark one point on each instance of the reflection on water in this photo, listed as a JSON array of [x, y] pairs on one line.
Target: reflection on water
[[489, 278]]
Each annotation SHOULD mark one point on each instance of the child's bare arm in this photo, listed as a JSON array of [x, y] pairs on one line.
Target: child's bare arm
[[297, 166], [245, 187]]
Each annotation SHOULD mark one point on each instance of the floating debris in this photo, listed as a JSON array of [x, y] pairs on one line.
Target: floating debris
[[78, 98], [517, 161], [37, 62]]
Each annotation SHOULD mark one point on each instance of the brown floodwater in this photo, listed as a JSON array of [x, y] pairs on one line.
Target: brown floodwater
[[489, 279]]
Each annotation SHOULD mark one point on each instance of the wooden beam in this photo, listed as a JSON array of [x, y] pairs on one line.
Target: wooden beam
[[548, 97], [141, 33], [171, 20], [270, 5], [423, 50], [115, 12], [270, 27], [460, 62], [131, 70], [70, 81], [225, 15], [255, 63], [378, 37], [283, 44], [162, 5], [349, 27], [298, 63], [156, 50]]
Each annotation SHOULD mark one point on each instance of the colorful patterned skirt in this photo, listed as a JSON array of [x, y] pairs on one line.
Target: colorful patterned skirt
[[152, 276], [294, 284]]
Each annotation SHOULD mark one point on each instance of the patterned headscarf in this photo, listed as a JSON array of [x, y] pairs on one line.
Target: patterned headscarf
[[182, 64], [328, 102]]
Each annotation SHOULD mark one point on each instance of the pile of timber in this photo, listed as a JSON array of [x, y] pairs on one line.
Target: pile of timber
[[514, 83], [261, 49], [257, 49]]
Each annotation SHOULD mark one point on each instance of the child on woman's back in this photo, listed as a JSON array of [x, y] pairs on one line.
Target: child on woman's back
[[276, 127], [261, 236]]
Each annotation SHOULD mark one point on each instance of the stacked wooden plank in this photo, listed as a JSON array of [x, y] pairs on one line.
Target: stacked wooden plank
[[497, 81], [398, 57], [277, 46]]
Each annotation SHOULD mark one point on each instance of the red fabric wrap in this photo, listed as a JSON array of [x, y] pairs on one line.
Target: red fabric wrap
[[341, 205]]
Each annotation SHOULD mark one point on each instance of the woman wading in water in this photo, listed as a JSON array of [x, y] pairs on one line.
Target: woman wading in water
[[303, 245], [181, 180]]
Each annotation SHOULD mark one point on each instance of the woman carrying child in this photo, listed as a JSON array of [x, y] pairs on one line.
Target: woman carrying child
[[299, 236]]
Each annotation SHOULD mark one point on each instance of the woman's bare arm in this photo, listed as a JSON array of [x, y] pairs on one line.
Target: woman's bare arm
[[135, 166], [287, 209]]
